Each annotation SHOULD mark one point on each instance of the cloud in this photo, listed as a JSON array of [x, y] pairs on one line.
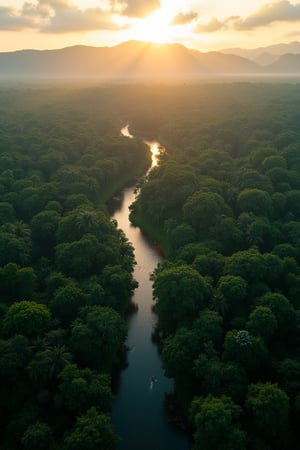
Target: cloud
[[70, 20], [35, 11], [137, 8], [56, 16], [56, 4], [279, 11], [12, 20], [182, 18], [213, 25], [64, 16], [293, 34]]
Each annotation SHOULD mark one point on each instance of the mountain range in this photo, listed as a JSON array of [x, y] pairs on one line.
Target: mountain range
[[135, 59], [265, 55]]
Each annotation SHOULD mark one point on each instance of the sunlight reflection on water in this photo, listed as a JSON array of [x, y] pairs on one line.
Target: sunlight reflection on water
[[139, 415]]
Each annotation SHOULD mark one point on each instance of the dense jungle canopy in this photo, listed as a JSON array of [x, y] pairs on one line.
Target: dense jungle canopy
[[224, 202]]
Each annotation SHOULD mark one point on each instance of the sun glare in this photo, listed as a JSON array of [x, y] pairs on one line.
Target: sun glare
[[153, 28], [156, 150], [158, 27]]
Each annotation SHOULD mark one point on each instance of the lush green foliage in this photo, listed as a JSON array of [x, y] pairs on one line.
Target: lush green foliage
[[65, 268], [225, 202]]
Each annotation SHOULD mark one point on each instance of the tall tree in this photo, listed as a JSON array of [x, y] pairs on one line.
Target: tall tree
[[97, 336], [215, 424], [269, 408], [29, 318], [181, 293], [92, 431]]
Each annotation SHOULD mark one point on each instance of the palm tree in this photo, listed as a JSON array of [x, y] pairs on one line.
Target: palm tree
[[57, 358], [86, 220], [48, 363], [37, 370], [40, 344]]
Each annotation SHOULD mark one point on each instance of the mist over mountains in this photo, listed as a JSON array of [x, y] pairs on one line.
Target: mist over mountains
[[136, 59], [265, 55]]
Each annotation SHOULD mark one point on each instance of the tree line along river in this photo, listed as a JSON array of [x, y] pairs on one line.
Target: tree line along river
[[139, 413]]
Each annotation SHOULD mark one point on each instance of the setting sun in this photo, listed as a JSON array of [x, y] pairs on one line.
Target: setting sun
[[157, 27], [154, 28]]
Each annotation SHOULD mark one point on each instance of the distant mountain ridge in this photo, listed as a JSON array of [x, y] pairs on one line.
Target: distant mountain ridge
[[265, 55], [133, 59], [286, 64]]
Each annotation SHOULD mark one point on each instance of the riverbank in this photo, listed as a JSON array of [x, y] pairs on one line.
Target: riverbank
[[129, 178], [139, 413], [154, 234]]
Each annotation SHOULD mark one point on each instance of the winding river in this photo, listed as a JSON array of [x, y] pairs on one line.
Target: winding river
[[139, 414]]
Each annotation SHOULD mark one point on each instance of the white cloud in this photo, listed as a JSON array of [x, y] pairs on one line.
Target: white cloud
[[137, 8], [56, 16], [75, 20], [216, 25], [279, 11], [65, 16], [211, 26], [13, 20], [184, 18]]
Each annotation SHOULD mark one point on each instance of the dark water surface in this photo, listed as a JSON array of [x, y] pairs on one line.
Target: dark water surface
[[139, 415]]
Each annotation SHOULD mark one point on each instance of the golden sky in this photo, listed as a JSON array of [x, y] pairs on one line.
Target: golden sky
[[201, 24]]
